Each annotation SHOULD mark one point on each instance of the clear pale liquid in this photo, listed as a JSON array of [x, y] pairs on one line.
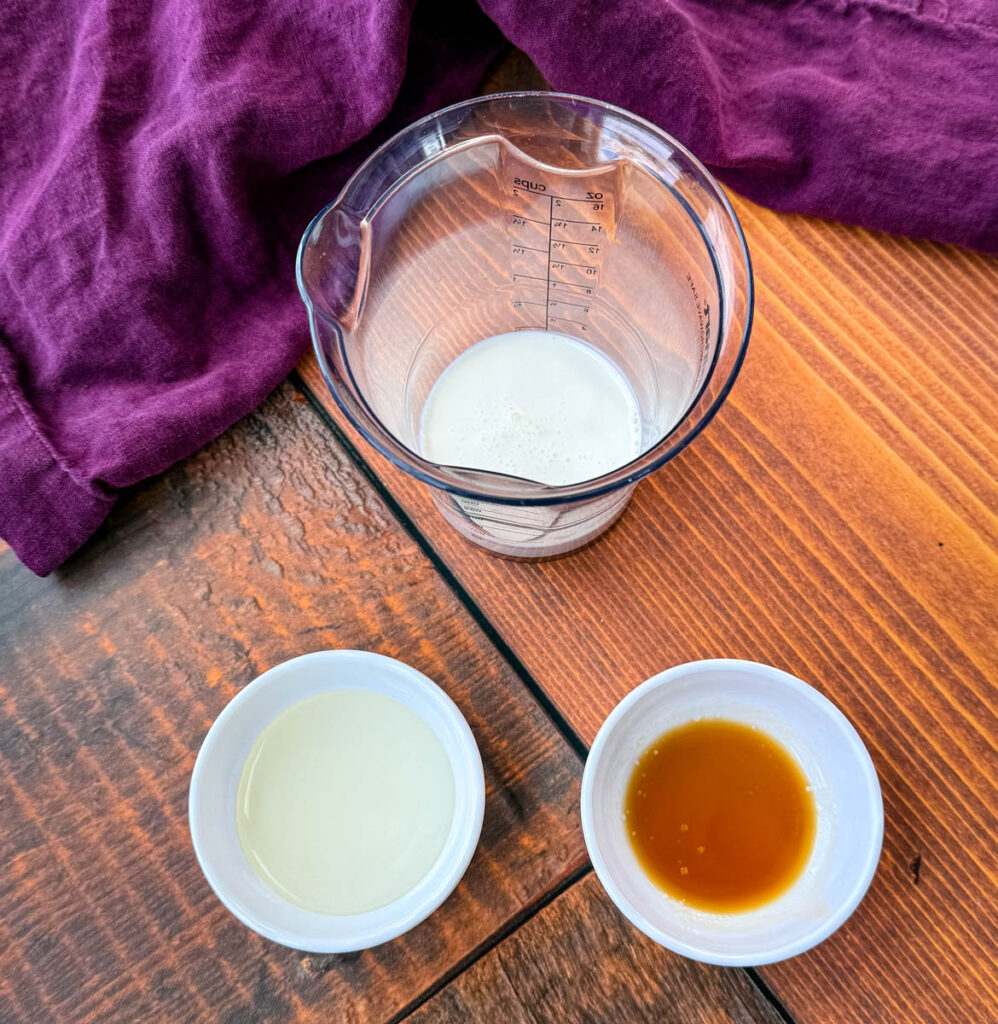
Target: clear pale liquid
[[345, 802]]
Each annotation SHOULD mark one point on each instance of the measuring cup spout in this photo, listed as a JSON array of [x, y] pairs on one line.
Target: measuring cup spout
[[329, 265]]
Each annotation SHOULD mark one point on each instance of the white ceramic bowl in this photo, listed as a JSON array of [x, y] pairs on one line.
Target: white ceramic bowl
[[850, 816], [219, 765]]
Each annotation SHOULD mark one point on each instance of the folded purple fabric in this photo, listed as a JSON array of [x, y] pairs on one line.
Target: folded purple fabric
[[160, 159], [876, 112]]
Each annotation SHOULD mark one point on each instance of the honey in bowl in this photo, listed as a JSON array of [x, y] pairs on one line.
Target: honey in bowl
[[720, 816]]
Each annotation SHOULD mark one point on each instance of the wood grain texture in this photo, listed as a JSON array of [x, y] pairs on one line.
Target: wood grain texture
[[266, 545], [839, 520], [580, 961]]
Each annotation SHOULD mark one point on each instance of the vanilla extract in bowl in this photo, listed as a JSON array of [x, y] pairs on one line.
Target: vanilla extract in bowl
[[720, 816]]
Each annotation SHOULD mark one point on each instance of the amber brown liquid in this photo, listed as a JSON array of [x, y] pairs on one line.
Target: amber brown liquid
[[720, 816]]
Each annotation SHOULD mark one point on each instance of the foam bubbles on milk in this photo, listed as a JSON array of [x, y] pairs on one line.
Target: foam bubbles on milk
[[533, 404]]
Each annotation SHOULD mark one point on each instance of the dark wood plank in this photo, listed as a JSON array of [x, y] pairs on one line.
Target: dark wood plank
[[511, 71], [839, 519], [266, 545], [579, 961]]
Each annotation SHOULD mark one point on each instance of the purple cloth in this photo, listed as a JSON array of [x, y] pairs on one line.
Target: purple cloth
[[160, 159], [876, 112]]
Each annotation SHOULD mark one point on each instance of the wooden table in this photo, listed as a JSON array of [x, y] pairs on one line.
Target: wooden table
[[838, 519]]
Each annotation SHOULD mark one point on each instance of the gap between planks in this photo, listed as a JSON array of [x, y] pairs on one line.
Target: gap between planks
[[547, 705]]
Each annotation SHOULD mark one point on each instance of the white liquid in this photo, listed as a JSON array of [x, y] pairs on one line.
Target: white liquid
[[345, 802], [532, 404]]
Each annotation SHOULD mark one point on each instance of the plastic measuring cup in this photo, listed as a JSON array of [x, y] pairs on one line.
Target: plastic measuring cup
[[522, 211]]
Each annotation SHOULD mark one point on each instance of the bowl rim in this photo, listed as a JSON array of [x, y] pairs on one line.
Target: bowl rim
[[874, 808], [456, 853]]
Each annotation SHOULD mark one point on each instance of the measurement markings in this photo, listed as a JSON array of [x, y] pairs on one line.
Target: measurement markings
[[594, 200], [597, 197], [588, 288], [547, 294], [565, 263]]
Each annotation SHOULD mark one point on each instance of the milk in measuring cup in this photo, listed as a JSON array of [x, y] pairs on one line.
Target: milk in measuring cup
[[533, 404]]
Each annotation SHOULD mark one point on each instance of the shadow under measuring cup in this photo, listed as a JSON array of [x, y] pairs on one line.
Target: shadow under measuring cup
[[536, 212]]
